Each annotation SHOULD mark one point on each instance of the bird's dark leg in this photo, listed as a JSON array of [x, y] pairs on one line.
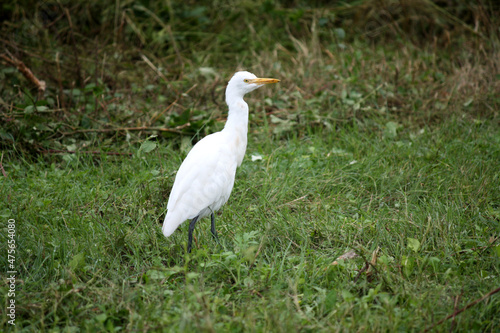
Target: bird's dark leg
[[214, 232], [191, 229]]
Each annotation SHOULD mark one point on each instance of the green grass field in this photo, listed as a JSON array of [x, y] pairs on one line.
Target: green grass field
[[387, 145], [92, 256]]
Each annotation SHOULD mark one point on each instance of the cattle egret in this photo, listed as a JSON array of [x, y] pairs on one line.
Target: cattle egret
[[206, 177]]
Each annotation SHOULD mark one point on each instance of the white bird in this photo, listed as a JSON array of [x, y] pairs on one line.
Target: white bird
[[206, 177]]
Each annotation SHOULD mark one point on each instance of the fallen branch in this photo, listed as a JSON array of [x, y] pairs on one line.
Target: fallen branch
[[56, 151], [142, 128], [9, 58], [456, 312]]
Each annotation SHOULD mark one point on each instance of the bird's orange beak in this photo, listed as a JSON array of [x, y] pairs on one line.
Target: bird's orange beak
[[263, 81]]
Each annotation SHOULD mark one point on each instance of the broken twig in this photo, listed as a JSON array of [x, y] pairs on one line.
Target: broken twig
[[56, 151], [142, 128], [456, 312], [9, 58]]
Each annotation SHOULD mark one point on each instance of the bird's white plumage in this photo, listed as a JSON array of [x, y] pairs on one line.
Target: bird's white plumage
[[205, 179]]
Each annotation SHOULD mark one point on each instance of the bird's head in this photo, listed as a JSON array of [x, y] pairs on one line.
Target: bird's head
[[244, 82]]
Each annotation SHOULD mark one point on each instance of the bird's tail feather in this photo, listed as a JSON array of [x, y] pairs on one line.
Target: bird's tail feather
[[171, 223]]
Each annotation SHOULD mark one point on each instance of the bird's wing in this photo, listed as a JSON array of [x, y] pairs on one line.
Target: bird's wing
[[204, 181]]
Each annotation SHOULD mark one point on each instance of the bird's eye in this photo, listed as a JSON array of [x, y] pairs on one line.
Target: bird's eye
[[246, 80]]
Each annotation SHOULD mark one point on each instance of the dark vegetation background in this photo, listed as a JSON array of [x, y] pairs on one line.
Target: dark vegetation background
[[126, 64]]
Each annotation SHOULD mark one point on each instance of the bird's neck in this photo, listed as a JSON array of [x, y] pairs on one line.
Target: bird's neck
[[237, 119], [237, 127]]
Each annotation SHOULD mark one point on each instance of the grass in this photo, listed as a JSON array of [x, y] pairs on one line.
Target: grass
[[92, 256], [383, 141]]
